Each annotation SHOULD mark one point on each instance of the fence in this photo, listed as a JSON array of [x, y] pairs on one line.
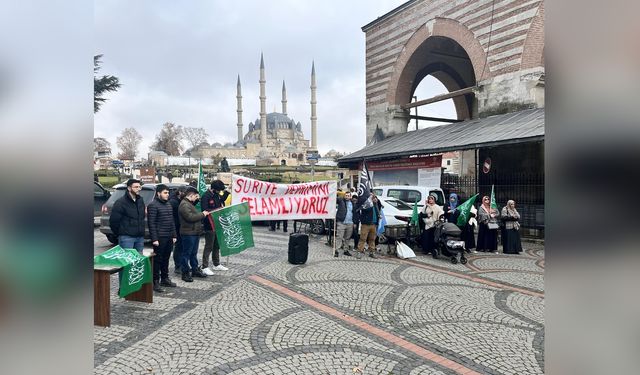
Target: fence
[[526, 189]]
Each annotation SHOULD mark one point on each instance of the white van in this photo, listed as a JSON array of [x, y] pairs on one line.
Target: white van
[[409, 193]]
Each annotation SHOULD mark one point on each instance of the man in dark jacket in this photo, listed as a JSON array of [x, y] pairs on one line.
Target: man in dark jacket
[[190, 230], [213, 199], [344, 224], [177, 249], [369, 217], [163, 235], [127, 217]]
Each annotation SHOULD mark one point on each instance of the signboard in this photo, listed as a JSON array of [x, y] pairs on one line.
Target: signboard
[[486, 166], [406, 163], [429, 176], [148, 175], [270, 201]]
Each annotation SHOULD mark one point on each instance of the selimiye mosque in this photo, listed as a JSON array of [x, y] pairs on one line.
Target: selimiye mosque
[[280, 142]]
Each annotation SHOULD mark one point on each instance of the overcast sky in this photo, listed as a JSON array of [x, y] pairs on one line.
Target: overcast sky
[[179, 61]]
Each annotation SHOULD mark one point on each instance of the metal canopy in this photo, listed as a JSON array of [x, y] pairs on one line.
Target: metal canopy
[[510, 128]]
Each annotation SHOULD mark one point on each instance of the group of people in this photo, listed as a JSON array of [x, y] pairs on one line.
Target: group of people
[[488, 220], [358, 219], [175, 225]]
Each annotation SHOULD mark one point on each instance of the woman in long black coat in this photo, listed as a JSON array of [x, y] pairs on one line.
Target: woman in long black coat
[[511, 243], [487, 237]]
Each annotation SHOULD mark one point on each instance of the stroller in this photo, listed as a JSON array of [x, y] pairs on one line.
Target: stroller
[[447, 237]]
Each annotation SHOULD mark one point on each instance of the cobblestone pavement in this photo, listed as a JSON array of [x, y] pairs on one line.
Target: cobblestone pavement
[[335, 316]]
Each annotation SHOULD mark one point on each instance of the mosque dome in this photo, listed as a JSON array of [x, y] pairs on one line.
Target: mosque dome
[[276, 120]]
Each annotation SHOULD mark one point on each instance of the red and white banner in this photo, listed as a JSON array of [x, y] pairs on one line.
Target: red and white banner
[[270, 201]]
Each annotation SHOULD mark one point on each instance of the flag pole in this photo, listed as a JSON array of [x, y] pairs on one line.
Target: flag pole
[[335, 223]]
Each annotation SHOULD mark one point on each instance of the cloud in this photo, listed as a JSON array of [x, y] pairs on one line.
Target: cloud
[[179, 62]]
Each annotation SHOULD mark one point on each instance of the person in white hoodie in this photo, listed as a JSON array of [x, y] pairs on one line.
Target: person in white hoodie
[[430, 214]]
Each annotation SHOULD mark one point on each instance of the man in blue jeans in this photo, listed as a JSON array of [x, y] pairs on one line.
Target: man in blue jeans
[[127, 217], [190, 230]]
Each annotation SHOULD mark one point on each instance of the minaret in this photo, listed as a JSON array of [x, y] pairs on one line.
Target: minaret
[[284, 99], [239, 97], [263, 105], [314, 118]]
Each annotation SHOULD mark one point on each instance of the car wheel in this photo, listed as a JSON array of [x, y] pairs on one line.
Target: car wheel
[[317, 226], [112, 238]]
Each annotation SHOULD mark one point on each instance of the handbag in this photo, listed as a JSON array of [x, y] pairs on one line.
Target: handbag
[[493, 226]]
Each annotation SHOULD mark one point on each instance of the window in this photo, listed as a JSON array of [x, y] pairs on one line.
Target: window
[[400, 205], [448, 162], [377, 191], [405, 195]]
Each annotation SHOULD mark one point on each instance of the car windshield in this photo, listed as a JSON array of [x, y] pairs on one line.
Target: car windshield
[[147, 196], [398, 204]]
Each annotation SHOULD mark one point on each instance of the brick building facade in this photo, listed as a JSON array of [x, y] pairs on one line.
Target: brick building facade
[[495, 47]]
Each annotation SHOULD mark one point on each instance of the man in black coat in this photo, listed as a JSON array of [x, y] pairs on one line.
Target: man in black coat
[[163, 235], [127, 217], [213, 199], [177, 250]]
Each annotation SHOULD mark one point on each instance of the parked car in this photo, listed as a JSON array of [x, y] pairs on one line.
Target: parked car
[[100, 196], [395, 212], [147, 193], [410, 193]]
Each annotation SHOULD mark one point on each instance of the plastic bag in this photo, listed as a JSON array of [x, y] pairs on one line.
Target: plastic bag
[[404, 251]]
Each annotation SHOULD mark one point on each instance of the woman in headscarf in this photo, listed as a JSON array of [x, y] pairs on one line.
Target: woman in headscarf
[[511, 236], [488, 227], [450, 212], [429, 215]]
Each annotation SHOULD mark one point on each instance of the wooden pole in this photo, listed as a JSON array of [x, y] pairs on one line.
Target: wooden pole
[[439, 98]]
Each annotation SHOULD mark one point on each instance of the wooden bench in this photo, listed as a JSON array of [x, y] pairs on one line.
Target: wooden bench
[[102, 291]]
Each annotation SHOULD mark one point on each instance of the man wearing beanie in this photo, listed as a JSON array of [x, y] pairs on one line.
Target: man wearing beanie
[[213, 199], [163, 235]]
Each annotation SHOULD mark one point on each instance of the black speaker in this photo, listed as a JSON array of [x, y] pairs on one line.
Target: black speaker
[[298, 248]]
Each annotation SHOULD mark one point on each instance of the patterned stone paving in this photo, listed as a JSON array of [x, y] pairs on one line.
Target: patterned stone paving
[[473, 316]]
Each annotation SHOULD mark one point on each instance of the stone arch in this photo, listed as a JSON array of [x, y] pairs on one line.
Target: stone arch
[[400, 84], [533, 50]]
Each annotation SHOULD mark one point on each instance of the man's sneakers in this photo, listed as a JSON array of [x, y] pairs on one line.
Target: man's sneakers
[[358, 255], [198, 273], [187, 277], [335, 254], [373, 255], [220, 267], [207, 271], [167, 282], [347, 253]]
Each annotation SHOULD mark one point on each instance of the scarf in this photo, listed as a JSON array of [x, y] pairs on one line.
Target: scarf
[[453, 205]]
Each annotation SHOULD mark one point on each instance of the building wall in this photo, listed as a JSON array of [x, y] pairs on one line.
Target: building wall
[[515, 59]]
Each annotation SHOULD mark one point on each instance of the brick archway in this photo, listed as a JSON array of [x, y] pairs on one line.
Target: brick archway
[[401, 82], [533, 50]]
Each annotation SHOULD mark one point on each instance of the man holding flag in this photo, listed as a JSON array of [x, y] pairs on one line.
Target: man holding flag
[[213, 199]]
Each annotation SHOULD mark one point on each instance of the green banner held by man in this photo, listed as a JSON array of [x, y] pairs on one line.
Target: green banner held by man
[[202, 185], [136, 268], [233, 228]]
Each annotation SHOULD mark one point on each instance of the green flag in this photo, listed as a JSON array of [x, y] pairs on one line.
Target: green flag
[[414, 215], [465, 211], [493, 200], [136, 268], [233, 228], [202, 185]]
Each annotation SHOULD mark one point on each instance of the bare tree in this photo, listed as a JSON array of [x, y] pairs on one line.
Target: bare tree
[[195, 136], [128, 143], [168, 140]]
